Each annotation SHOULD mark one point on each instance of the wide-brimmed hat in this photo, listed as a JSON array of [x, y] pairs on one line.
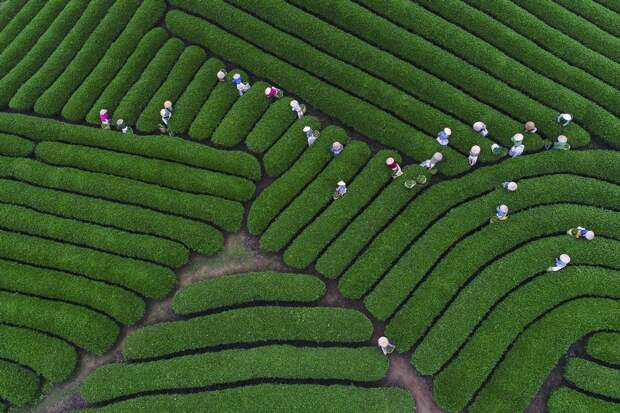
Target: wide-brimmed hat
[[475, 150], [565, 258]]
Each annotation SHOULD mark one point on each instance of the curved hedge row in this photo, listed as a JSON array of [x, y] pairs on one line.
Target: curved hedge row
[[593, 378], [195, 235], [48, 356], [117, 55], [283, 190], [315, 196], [250, 325], [229, 366], [118, 303], [463, 219], [471, 254], [18, 385], [237, 289], [56, 96], [145, 247], [335, 102], [224, 213], [178, 79], [566, 400], [535, 353], [272, 125], [124, 79], [151, 171], [195, 95], [89, 330], [142, 277], [271, 398], [605, 347], [318, 234], [50, 67], [493, 284]]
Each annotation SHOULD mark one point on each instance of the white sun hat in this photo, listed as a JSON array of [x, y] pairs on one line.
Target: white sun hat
[[475, 150], [512, 186], [518, 137], [565, 258], [447, 131], [437, 156], [562, 139], [307, 129], [590, 235]]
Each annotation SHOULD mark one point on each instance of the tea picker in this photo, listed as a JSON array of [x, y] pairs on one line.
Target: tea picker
[[564, 119], [385, 345], [498, 150], [336, 148], [481, 128], [221, 75], [443, 137], [561, 144], [241, 86], [394, 167], [298, 109], [509, 186], [430, 163], [341, 189], [517, 145], [581, 233], [273, 92], [123, 127], [530, 127], [104, 117], [501, 214], [560, 262], [311, 134], [473, 155]]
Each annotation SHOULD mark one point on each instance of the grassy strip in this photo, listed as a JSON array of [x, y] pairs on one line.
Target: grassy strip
[[250, 325], [283, 154], [118, 303], [381, 96], [165, 148], [605, 347], [195, 95], [199, 237], [246, 288], [18, 385], [163, 173], [421, 46], [87, 329], [551, 39], [229, 366], [215, 108], [394, 71], [537, 351], [315, 196], [344, 249], [221, 212], [150, 280], [271, 126], [472, 303], [10, 11], [129, 74], [456, 385], [26, 39], [40, 52], [376, 124], [594, 13], [469, 255], [91, 52], [155, 74], [439, 199], [11, 145], [593, 377], [15, 24], [466, 218], [178, 79], [272, 398], [50, 357], [17, 218], [556, 90], [65, 46], [582, 31], [316, 236], [242, 116], [567, 400], [149, 12], [283, 190]]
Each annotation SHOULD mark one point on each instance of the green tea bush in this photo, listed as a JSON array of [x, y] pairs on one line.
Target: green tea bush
[[271, 126], [568, 400], [604, 347], [593, 378], [18, 385], [11, 145]]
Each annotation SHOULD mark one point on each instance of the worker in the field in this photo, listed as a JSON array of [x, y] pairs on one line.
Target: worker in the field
[[443, 137], [474, 152], [560, 262], [481, 128], [581, 233]]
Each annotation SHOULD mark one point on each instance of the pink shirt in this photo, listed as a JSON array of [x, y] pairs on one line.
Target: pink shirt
[[104, 117]]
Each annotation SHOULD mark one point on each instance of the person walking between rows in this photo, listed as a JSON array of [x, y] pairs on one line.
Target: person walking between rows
[[473, 155], [385, 345], [104, 118], [581, 233], [560, 262], [311, 134], [166, 114], [394, 167]]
